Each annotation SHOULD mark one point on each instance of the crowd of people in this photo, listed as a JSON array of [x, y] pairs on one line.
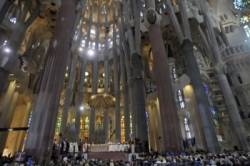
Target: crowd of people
[[149, 159], [65, 153]]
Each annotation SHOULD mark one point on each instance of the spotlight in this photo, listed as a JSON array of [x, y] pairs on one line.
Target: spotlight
[[81, 108], [92, 31], [7, 50], [5, 42], [13, 20], [80, 49], [90, 53], [66, 75]]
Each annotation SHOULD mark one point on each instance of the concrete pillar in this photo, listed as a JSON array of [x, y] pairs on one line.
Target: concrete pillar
[[41, 133], [128, 68], [193, 72], [184, 15], [126, 98], [106, 78], [192, 69], [136, 84], [175, 21], [138, 93], [203, 106], [3, 81], [80, 97], [92, 118], [130, 90], [233, 111], [95, 77], [106, 126], [106, 59], [95, 68], [82, 67], [168, 111], [116, 65], [69, 93], [117, 98]]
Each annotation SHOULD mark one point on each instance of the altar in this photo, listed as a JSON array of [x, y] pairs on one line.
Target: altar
[[108, 147]]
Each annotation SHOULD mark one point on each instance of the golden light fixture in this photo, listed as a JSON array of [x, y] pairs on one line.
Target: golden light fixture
[[102, 100]]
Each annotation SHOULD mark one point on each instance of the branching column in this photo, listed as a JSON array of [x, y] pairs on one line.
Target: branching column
[[106, 125], [92, 125], [137, 80], [192, 69], [203, 106], [82, 67], [106, 58], [4, 80], [80, 97], [95, 77], [168, 111], [126, 98], [127, 49], [69, 94], [41, 132], [116, 89], [124, 80], [106, 81]]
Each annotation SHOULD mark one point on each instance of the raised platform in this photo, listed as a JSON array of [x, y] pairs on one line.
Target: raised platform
[[115, 156], [108, 147]]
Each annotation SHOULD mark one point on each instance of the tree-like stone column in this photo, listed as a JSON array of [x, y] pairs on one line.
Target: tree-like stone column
[[92, 118], [4, 80], [95, 77], [69, 94], [168, 110], [127, 47], [126, 98], [138, 93], [106, 59], [106, 125], [134, 68], [203, 106], [125, 79], [41, 132], [80, 97], [192, 69], [116, 89]]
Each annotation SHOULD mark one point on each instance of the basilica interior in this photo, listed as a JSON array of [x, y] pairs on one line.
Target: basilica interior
[[170, 74]]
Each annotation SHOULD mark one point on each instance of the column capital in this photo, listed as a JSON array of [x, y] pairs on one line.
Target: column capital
[[152, 17], [187, 45], [136, 61], [220, 68]]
